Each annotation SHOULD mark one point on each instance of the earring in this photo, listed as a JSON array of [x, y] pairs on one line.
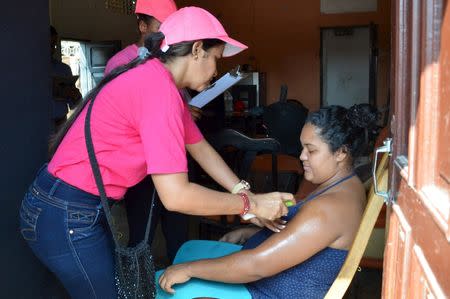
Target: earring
[[196, 56]]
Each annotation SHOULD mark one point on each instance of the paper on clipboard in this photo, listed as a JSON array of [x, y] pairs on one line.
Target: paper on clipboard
[[217, 88]]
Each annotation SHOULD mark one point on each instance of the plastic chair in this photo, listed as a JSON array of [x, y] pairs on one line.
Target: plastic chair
[[198, 288], [374, 259], [373, 208], [239, 151]]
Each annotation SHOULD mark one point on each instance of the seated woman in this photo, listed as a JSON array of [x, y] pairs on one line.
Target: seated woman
[[304, 258]]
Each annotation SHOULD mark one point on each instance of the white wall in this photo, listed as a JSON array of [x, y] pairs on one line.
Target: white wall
[[90, 20]]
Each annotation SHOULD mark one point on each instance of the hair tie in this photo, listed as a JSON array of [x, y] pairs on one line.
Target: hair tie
[[165, 48], [143, 52]]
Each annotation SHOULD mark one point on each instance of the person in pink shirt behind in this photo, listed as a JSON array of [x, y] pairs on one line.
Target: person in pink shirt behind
[[139, 125], [150, 14]]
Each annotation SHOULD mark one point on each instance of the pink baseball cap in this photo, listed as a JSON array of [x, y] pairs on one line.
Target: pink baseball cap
[[194, 23], [160, 9]]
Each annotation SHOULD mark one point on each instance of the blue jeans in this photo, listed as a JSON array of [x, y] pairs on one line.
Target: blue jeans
[[67, 230]]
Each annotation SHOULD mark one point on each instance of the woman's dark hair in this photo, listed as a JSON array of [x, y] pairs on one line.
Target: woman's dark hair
[[349, 129], [144, 18], [153, 44]]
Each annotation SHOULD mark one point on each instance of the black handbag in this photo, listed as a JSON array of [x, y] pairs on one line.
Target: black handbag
[[134, 267]]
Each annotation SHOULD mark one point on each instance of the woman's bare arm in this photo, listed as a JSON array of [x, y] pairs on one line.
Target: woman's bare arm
[[311, 230], [213, 164], [178, 194]]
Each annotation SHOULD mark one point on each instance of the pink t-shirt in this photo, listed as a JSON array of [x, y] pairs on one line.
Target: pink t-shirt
[[122, 57], [140, 125]]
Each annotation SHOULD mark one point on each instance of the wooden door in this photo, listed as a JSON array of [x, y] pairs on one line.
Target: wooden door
[[417, 254]]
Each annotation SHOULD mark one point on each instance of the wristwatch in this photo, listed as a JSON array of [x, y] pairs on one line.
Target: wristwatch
[[239, 186]]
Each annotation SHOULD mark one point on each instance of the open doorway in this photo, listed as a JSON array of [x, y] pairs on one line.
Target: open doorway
[[348, 65], [71, 55], [87, 60]]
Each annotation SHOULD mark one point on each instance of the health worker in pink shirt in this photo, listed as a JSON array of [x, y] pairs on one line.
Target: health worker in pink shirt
[[139, 125], [150, 14]]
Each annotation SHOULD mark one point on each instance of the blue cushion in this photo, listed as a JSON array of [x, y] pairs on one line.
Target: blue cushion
[[200, 249]]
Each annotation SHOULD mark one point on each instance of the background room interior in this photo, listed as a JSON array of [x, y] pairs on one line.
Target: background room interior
[[284, 39]]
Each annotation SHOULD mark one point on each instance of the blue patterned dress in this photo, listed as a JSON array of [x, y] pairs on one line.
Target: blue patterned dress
[[310, 279]]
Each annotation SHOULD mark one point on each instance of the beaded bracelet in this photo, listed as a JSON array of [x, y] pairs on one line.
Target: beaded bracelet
[[246, 204]]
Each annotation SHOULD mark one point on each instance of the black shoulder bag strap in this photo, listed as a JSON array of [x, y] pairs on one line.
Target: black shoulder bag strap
[[99, 181]]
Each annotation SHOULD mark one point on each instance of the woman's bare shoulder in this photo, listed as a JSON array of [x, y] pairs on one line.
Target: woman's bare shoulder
[[344, 204]]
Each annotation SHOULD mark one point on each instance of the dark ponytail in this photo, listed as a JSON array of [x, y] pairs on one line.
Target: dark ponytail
[[152, 43], [145, 18], [350, 129]]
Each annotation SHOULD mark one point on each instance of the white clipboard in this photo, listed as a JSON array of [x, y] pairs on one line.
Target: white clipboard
[[217, 88]]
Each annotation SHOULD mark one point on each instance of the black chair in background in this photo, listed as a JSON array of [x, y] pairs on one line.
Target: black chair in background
[[284, 121], [239, 152]]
